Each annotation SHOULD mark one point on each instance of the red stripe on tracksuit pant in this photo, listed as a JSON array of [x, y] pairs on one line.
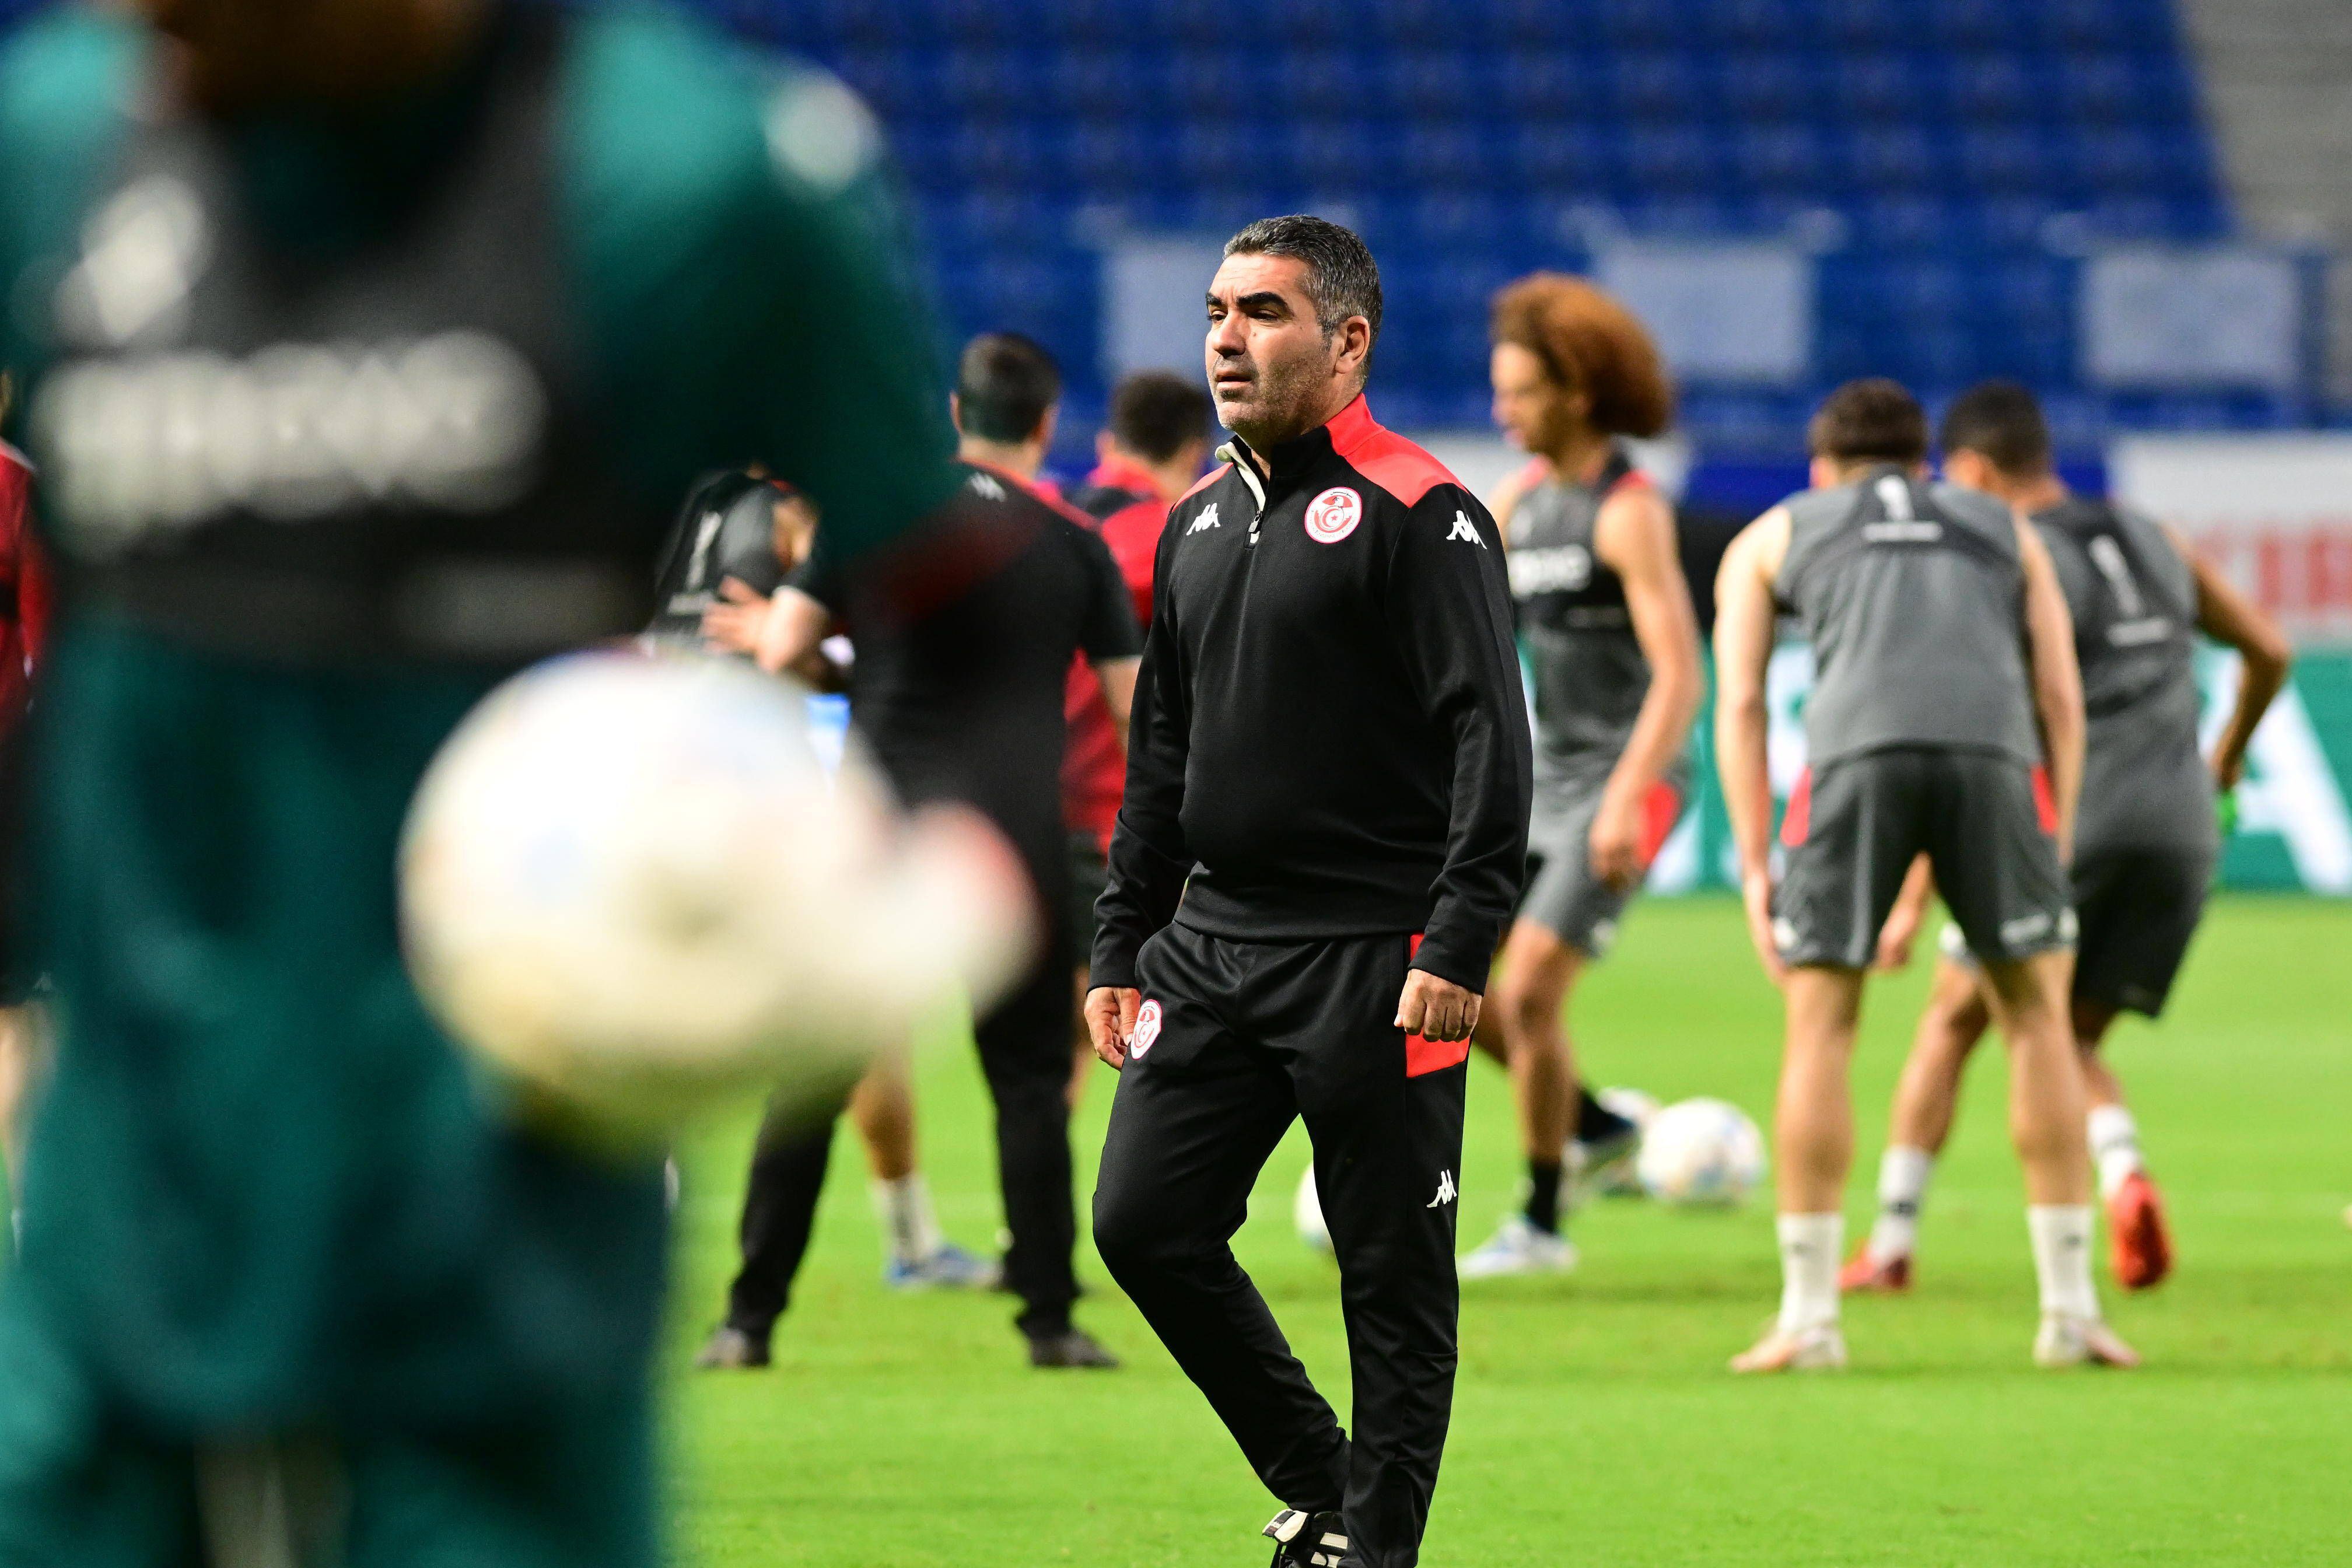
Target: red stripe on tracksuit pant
[[1241, 1038]]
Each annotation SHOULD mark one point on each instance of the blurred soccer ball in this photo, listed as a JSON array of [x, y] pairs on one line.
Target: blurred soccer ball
[[628, 882], [1307, 1213], [1701, 1152]]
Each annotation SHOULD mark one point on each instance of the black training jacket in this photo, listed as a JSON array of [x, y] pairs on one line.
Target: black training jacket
[[1330, 737]]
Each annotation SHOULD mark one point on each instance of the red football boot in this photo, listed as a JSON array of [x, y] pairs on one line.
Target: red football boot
[[1865, 1274], [2141, 1245]]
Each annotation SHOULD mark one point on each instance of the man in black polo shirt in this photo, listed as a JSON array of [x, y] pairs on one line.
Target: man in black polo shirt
[[1328, 766], [964, 648]]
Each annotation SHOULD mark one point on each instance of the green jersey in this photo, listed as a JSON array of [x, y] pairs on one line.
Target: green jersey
[[342, 418]]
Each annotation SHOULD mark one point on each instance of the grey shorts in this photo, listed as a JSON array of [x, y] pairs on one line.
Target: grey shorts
[[2137, 907], [1564, 894], [1089, 873], [1855, 827]]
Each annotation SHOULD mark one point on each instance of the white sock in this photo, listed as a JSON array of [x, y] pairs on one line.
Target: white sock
[[2062, 1258], [910, 1231], [1811, 1246], [2114, 1146], [1902, 1173]]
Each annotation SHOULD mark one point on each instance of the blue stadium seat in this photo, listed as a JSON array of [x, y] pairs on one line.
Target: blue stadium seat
[[1790, 158], [1992, 86], [1668, 158], [1773, 85], [1436, 84], [1104, 83], [1658, 86], [1323, 82], [1901, 158], [1888, 84], [1547, 84], [1563, 156], [1639, 24]]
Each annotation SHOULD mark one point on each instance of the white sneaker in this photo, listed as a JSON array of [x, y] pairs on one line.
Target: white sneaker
[[2080, 1341], [1821, 1348], [1518, 1248]]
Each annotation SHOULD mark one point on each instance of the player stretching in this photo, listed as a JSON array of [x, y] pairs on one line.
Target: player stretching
[[1329, 769], [2147, 840], [1606, 616], [1940, 636]]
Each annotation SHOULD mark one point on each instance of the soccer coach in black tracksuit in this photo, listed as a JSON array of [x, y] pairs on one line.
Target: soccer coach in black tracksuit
[[1323, 835]]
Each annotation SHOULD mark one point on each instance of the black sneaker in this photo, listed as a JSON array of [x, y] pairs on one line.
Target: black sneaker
[[1069, 1348], [1600, 1156], [730, 1349], [1303, 1540]]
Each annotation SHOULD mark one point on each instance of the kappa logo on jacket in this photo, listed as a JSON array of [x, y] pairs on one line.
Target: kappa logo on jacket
[[1207, 520], [1463, 528], [1334, 514]]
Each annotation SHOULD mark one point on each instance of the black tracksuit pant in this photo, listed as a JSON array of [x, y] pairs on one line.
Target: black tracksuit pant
[[1237, 1039], [1025, 1053]]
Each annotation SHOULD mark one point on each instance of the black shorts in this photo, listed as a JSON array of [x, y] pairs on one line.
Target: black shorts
[[1855, 827], [1089, 871], [2137, 907]]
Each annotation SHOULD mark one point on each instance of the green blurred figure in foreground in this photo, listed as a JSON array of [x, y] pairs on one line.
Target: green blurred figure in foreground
[[369, 347]]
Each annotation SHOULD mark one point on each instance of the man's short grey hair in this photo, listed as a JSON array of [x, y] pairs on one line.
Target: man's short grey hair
[[1342, 278]]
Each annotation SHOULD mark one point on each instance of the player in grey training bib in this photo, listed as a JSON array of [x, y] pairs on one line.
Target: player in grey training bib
[[1946, 673], [1612, 648], [2146, 839]]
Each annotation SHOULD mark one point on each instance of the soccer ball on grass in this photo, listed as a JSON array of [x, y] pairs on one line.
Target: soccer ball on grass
[[1701, 1152]]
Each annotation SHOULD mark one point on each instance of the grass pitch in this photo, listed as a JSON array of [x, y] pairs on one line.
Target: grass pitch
[[1594, 1422]]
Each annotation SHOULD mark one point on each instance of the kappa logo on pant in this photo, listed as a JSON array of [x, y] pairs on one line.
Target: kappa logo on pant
[[1444, 1190]]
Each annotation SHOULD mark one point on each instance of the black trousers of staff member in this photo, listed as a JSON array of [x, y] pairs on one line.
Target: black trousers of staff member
[[1249, 1036], [1025, 1054]]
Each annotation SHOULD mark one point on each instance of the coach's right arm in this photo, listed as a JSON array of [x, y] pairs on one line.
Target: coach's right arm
[[1148, 861], [1449, 610]]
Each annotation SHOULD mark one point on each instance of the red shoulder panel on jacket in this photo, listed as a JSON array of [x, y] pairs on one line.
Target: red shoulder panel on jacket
[[1385, 457], [1206, 480]]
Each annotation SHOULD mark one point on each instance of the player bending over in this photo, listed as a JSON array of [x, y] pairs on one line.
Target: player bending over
[[1606, 618], [1941, 640], [2146, 839]]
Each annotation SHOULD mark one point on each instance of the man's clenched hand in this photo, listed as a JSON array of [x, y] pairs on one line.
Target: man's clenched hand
[[1436, 1009]]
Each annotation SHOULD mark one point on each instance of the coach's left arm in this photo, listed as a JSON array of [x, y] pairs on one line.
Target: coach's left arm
[[1449, 607]]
